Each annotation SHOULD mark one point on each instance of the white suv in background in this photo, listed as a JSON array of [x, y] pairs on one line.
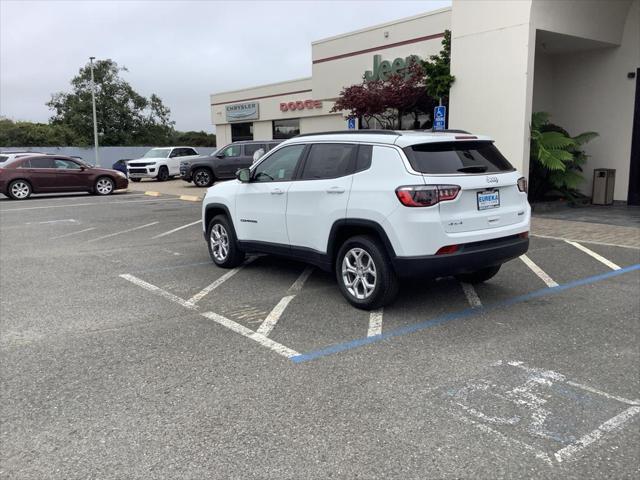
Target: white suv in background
[[373, 206], [160, 163]]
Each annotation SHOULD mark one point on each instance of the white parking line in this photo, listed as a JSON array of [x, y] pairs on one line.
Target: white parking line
[[610, 425], [209, 288], [246, 332], [538, 271], [158, 291], [73, 233], [586, 241], [595, 255], [123, 231], [176, 230], [7, 210], [375, 323], [304, 276], [275, 314], [471, 294], [48, 222]]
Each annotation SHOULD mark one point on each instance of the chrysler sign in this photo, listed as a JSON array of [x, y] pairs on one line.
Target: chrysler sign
[[242, 111]]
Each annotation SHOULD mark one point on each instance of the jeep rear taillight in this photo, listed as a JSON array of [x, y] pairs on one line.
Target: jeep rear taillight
[[522, 185], [426, 195]]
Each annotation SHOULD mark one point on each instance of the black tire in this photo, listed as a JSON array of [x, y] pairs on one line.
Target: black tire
[[163, 174], [104, 186], [234, 256], [479, 276], [19, 190], [385, 286], [136, 180], [202, 177]]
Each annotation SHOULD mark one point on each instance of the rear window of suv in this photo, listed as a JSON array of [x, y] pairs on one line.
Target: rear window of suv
[[457, 157]]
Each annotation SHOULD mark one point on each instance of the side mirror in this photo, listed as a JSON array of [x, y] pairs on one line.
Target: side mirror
[[82, 168], [243, 175], [220, 155]]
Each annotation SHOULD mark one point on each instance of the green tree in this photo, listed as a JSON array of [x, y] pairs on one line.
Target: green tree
[[437, 69], [195, 139], [29, 134], [556, 159], [124, 116]]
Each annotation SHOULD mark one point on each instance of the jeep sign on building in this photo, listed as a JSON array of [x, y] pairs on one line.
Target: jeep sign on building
[[576, 59]]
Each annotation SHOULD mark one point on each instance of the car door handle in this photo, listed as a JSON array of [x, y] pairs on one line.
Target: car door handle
[[277, 191], [335, 190]]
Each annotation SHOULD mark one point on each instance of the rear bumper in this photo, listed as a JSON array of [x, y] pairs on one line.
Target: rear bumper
[[471, 257]]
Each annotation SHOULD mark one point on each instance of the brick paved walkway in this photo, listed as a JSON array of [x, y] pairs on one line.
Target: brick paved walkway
[[586, 232]]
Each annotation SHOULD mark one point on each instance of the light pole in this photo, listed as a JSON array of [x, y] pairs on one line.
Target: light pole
[[95, 122]]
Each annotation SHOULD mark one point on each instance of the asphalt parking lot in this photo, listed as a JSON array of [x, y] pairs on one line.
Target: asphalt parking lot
[[127, 354]]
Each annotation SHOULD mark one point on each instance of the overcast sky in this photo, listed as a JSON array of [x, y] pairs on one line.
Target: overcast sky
[[181, 50]]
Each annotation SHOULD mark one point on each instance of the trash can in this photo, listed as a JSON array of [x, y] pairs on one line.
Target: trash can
[[604, 180]]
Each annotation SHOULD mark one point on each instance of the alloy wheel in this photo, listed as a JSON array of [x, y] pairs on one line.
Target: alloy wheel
[[104, 186], [219, 239], [359, 273], [20, 190], [202, 178]]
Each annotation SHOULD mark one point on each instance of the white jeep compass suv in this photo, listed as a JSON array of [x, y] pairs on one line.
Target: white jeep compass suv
[[373, 206]]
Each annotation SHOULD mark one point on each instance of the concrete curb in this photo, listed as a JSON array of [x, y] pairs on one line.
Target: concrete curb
[[153, 194], [191, 198]]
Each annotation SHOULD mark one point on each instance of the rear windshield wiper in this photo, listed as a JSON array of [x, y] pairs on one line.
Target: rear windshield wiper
[[473, 169]]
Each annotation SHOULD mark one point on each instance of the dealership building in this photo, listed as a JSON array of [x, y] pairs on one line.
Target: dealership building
[[576, 59]]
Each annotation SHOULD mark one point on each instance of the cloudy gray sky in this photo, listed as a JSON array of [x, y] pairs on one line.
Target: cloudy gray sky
[[181, 50]]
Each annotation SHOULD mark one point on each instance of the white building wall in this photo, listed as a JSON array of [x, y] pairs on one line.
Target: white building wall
[[492, 59], [324, 123], [592, 93], [330, 76], [263, 130]]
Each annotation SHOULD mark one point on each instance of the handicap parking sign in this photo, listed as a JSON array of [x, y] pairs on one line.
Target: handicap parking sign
[[439, 117], [351, 123]]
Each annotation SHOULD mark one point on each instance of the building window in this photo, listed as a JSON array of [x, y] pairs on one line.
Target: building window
[[286, 128], [241, 131]]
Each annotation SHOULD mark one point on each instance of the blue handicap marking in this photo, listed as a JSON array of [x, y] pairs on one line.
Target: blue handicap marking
[[351, 123], [439, 116]]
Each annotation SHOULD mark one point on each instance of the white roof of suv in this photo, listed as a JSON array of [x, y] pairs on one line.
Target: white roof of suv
[[402, 138]]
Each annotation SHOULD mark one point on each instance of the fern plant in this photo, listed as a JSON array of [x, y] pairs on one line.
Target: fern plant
[[556, 159]]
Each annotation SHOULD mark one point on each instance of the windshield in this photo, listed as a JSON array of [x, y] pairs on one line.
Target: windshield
[[457, 157], [157, 153]]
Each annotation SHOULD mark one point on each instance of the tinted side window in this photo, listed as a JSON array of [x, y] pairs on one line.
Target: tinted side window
[[363, 161], [66, 164], [42, 162], [251, 148], [232, 151], [327, 160], [189, 151], [3, 158], [457, 157], [280, 166]]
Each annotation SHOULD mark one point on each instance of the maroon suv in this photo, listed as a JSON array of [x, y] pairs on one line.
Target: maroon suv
[[51, 173]]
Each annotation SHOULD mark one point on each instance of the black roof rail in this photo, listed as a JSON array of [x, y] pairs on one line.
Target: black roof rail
[[352, 132], [449, 130]]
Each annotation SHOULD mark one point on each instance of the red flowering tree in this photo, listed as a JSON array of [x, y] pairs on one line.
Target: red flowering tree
[[416, 91], [387, 101]]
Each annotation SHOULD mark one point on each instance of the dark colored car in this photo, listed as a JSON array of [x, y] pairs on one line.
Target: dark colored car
[[46, 174], [224, 163], [121, 165]]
